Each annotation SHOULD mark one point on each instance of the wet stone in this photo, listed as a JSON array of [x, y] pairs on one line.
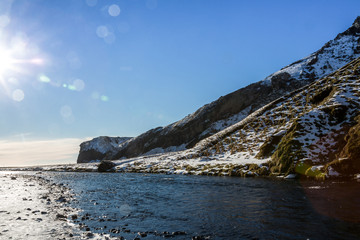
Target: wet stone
[[61, 199], [142, 234], [114, 230], [61, 216], [89, 235], [201, 238]]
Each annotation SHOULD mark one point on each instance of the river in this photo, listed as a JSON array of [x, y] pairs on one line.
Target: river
[[200, 207]]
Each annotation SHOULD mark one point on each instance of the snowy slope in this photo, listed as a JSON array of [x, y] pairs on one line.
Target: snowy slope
[[234, 107], [312, 132], [332, 56], [302, 133], [329, 58]]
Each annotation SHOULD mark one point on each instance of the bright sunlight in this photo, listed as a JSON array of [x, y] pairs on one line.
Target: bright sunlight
[[6, 61], [16, 60]]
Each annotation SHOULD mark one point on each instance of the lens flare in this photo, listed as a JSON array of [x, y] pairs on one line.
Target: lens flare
[[18, 95], [43, 78], [6, 61], [114, 10], [104, 98], [37, 61]]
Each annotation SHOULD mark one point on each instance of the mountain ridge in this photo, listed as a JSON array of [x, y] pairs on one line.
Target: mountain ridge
[[233, 107], [312, 132]]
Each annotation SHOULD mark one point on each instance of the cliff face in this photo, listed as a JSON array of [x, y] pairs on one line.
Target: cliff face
[[100, 148], [235, 106]]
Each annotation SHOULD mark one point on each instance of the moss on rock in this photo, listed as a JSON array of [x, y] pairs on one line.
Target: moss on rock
[[348, 162], [336, 113], [268, 147], [288, 151]]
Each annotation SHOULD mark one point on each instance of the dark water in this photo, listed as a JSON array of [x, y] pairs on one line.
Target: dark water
[[215, 207]]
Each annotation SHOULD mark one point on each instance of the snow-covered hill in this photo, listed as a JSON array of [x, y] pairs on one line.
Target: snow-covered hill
[[234, 107], [313, 131]]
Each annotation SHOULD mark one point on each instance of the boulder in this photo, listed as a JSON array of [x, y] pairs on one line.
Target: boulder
[[106, 166]]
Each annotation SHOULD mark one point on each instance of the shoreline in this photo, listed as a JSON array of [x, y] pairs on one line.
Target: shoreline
[[216, 170], [34, 207]]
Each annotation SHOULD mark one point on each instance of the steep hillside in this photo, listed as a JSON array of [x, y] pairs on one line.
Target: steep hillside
[[235, 106], [313, 131]]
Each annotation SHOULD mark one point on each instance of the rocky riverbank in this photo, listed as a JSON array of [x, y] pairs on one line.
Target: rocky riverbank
[[33, 207]]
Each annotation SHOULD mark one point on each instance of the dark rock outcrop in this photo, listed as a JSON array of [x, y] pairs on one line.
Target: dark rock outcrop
[[106, 166], [349, 159]]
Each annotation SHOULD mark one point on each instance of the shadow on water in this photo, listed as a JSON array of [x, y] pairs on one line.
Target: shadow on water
[[219, 207]]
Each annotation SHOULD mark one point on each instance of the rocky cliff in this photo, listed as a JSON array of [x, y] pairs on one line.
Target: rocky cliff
[[100, 148], [234, 107]]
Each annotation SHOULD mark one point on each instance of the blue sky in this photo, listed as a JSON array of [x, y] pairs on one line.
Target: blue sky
[[74, 69]]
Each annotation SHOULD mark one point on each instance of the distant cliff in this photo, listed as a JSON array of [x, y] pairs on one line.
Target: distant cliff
[[100, 148]]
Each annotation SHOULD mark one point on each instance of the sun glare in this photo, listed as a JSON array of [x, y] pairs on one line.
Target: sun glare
[[10, 65], [13, 65], [6, 61]]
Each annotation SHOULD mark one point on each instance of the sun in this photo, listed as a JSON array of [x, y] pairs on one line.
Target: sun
[[6, 61], [12, 64]]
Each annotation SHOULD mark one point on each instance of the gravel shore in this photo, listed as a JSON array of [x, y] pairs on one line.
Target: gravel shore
[[33, 207]]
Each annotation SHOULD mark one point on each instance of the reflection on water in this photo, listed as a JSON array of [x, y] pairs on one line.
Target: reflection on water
[[339, 200], [219, 207]]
